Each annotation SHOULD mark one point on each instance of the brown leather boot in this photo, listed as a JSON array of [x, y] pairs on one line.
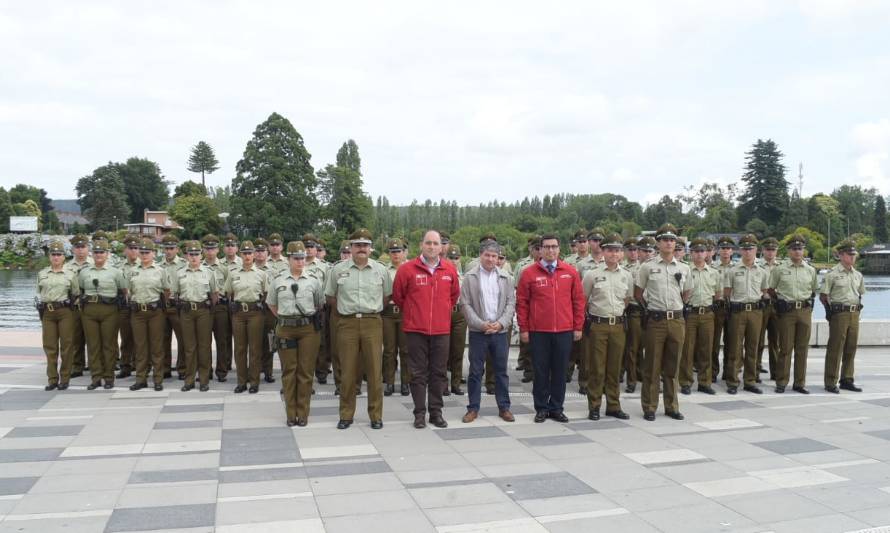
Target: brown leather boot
[[469, 417], [506, 415]]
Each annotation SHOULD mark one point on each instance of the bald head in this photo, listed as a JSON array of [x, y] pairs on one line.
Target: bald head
[[431, 246]]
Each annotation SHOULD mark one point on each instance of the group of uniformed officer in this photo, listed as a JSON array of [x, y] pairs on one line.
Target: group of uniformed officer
[[651, 316]]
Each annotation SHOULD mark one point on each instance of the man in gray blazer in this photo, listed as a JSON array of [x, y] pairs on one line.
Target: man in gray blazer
[[488, 301]]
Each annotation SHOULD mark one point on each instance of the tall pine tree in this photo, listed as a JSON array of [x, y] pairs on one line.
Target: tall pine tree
[[341, 190], [203, 160], [766, 193], [880, 220]]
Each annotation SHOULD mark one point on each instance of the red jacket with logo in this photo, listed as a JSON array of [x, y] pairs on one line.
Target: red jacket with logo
[[550, 303], [426, 299]]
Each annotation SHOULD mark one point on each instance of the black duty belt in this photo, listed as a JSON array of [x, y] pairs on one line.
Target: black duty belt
[[737, 307], [361, 315], [610, 320], [96, 299], [187, 306], [634, 310], [701, 310], [664, 315], [244, 307], [294, 321], [790, 305], [720, 304], [841, 308], [53, 306], [223, 300], [144, 308]]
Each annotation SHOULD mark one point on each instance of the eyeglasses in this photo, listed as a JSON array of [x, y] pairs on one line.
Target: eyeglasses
[[246, 253], [146, 252], [98, 252], [56, 253], [132, 247]]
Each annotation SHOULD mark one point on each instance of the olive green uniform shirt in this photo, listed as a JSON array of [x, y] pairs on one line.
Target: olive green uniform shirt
[[607, 291], [721, 271], [111, 280], [746, 283], [308, 298], [277, 266], [521, 265], [57, 286], [194, 285], [706, 283], [231, 265], [586, 263], [793, 283], [221, 271], [358, 290], [843, 286], [172, 266], [147, 284], [247, 286], [661, 289], [76, 267]]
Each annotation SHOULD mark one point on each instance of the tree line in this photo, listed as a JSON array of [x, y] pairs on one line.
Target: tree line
[[276, 189]]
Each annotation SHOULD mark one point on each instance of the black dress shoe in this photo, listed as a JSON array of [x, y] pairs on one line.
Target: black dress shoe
[[489, 391], [675, 415], [753, 388], [138, 386], [559, 417], [568, 379], [51, 386], [631, 387], [63, 386], [619, 414], [686, 389], [405, 390], [253, 389], [336, 390], [446, 392], [204, 388], [780, 389], [594, 414], [848, 385], [358, 390], [540, 416], [187, 387], [833, 389], [463, 381], [526, 379], [108, 386], [519, 368], [168, 374], [122, 374], [159, 387], [269, 379], [761, 370], [457, 390], [419, 421], [292, 423], [322, 380], [240, 388], [389, 389], [758, 380], [221, 379], [732, 390], [180, 376], [438, 421], [343, 424], [707, 389], [649, 416], [376, 424], [76, 374], [582, 391], [302, 422], [802, 390]]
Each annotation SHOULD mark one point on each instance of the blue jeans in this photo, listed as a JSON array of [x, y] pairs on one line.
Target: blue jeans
[[550, 357], [480, 346]]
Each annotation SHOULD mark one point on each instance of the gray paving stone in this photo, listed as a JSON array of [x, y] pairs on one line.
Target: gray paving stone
[[177, 516], [516, 409], [192, 408], [790, 446], [731, 405], [188, 424], [347, 469], [44, 431], [556, 440], [16, 485], [883, 402], [470, 433], [163, 476], [883, 434], [587, 425], [24, 400], [244, 458], [264, 474], [37, 454], [542, 486]]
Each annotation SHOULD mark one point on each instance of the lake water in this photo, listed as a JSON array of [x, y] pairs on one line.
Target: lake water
[[18, 288]]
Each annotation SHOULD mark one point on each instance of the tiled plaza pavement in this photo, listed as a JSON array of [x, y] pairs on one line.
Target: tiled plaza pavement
[[122, 461]]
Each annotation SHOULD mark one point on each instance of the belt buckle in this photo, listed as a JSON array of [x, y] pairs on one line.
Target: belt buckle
[[194, 306], [93, 299], [50, 308], [143, 307], [245, 307], [396, 310], [749, 307], [798, 305], [701, 310], [669, 315], [358, 315], [612, 320], [854, 308]]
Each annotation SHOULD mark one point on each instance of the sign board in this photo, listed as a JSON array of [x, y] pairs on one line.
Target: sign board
[[23, 224]]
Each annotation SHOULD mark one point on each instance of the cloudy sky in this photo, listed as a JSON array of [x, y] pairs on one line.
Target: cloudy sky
[[460, 100]]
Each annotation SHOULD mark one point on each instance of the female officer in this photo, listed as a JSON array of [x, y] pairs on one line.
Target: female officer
[[57, 288], [149, 286]]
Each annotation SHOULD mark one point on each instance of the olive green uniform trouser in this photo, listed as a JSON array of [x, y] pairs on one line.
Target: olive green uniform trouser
[[633, 346], [395, 348], [744, 334], [127, 351], [197, 330], [697, 349], [577, 359], [769, 338], [58, 332], [721, 334], [605, 349], [664, 342], [843, 337], [148, 337], [525, 361], [171, 328], [247, 329], [100, 328], [457, 342], [323, 360], [297, 367], [78, 342], [222, 336], [269, 322], [794, 336], [360, 349]]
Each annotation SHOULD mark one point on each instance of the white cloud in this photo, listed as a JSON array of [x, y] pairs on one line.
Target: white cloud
[[872, 146]]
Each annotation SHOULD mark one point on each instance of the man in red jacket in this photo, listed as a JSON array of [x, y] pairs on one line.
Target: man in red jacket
[[550, 312], [426, 289]]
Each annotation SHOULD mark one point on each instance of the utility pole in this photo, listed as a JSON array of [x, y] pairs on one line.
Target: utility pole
[[800, 180]]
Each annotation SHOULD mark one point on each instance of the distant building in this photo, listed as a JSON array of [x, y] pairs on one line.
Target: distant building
[[876, 259], [68, 213], [154, 225]]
